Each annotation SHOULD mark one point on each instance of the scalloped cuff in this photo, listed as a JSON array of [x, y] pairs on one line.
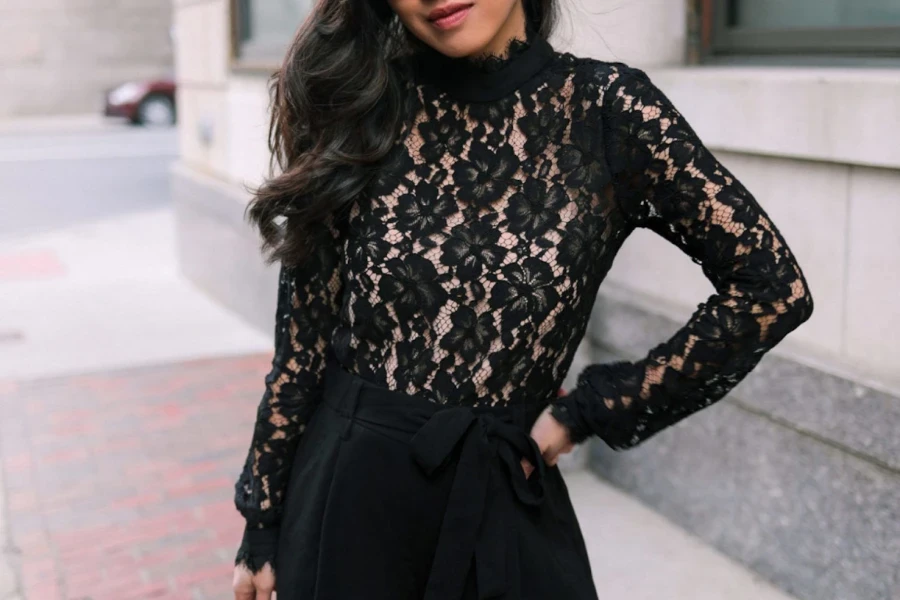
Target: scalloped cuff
[[258, 547], [565, 410]]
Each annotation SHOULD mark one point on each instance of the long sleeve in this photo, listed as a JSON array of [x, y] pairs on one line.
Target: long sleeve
[[308, 306], [664, 179]]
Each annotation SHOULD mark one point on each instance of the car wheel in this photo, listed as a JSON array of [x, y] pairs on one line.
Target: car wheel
[[156, 111]]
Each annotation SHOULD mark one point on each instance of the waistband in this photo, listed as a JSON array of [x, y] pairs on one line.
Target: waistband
[[354, 397], [491, 441]]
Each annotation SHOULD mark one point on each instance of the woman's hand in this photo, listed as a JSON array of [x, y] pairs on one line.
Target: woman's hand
[[552, 438], [248, 586]]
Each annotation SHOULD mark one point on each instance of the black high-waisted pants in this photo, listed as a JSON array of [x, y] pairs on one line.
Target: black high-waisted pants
[[393, 497]]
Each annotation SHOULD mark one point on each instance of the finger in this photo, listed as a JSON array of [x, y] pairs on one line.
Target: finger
[[243, 592], [550, 457], [263, 593], [242, 584], [527, 467], [265, 583]]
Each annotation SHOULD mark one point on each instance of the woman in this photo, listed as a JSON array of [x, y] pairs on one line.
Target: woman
[[452, 192]]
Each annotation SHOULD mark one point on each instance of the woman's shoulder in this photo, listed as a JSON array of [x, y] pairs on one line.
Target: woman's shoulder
[[603, 70], [593, 76]]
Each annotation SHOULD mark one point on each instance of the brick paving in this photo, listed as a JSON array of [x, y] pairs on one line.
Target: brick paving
[[119, 485], [36, 264]]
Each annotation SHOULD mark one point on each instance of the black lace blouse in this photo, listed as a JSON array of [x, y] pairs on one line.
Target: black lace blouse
[[467, 271]]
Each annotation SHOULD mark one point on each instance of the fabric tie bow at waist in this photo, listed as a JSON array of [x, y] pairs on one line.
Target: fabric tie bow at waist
[[473, 523]]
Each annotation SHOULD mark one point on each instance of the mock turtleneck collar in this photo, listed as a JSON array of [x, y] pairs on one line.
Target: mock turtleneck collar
[[481, 79]]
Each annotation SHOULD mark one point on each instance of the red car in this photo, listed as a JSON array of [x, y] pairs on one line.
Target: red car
[[149, 103]]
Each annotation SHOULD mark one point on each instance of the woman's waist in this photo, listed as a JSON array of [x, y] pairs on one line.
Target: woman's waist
[[352, 396]]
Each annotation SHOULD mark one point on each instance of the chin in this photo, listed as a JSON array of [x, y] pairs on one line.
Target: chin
[[456, 50], [461, 43]]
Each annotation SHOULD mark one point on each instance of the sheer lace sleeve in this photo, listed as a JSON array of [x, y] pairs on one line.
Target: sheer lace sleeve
[[307, 310], [664, 179]]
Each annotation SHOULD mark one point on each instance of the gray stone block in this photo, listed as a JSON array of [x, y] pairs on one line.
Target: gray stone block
[[857, 417], [795, 473], [817, 522]]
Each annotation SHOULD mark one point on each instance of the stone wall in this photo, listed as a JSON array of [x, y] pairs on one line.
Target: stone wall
[[58, 56]]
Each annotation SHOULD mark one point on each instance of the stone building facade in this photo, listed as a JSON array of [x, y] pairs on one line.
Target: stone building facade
[[59, 56], [797, 472]]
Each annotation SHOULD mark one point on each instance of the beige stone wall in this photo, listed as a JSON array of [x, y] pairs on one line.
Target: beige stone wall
[[645, 33], [202, 60], [58, 56]]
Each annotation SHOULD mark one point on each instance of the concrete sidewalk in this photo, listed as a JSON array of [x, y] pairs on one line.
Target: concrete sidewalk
[[126, 406], [639, 555], [107, 295]]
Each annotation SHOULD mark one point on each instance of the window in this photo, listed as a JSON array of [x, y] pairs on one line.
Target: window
[[264, 28], [806, 27]]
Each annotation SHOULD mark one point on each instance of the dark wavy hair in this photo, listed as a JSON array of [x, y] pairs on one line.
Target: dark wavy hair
[[337, 104]]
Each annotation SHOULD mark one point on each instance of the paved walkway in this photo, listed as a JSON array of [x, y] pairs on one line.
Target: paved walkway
[[119, 486]]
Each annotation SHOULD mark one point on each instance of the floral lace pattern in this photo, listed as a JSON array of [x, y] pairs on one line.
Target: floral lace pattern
[[665, 179], [493, 63], [307, 305], [467, 271]]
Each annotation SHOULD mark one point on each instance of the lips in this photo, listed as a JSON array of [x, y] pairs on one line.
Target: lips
[[445, 11], [450, 16]]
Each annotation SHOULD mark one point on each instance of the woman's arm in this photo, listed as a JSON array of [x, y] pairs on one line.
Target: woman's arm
[[664, 179], [308, 304]]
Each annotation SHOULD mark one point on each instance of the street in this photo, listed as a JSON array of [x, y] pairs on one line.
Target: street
[[53, 179]]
